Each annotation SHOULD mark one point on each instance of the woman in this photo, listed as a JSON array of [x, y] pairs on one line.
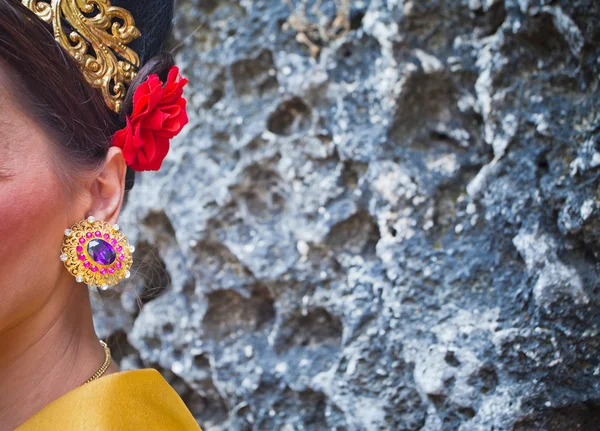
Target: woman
[[86, 99]]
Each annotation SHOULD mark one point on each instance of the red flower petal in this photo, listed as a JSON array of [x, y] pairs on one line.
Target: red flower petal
[[137, 140], [173, 89], [155, 120], [148, 151], [123, 139], [176, 120], [162, 149], [120, 137], [159, 114], [147, 96], [130, 155]]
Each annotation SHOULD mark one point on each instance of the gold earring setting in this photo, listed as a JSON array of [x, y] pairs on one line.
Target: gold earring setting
[[97, 253]]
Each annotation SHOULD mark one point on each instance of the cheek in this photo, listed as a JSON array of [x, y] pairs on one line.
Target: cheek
[[32, 214]]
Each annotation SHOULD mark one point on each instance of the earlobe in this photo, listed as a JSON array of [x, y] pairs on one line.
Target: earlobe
[[108, 189]]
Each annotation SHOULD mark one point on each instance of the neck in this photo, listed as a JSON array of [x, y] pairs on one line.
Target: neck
[[47, 354]]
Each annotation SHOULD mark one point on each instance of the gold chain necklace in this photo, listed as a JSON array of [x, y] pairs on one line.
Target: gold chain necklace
[[104, 366]]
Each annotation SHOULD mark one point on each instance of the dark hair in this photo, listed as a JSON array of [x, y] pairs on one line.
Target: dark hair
[[48, 84]]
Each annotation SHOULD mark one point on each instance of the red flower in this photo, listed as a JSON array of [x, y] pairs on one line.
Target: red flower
[[159, 113]]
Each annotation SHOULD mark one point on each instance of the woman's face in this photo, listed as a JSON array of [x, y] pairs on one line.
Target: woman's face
[[33, 215]]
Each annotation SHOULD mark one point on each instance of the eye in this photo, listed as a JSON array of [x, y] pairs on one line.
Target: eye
[[5, 174]]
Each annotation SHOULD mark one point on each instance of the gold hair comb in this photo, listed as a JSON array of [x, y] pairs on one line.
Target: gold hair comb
[[97, 39]]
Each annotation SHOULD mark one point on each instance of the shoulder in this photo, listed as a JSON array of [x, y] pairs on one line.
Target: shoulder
[[128, 400]]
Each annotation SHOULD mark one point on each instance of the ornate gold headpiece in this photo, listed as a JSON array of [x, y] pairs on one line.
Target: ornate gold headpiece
[[110, 65]]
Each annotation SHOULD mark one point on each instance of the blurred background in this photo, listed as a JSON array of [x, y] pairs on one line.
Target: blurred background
[[383, 215]]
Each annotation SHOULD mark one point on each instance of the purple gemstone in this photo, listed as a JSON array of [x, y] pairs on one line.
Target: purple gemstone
[[101, 251]]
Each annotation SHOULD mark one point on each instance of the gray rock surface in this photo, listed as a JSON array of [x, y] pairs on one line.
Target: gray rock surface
[[384, 215]]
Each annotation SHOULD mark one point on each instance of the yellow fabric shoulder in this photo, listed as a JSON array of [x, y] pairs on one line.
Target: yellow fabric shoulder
[[125, 401]]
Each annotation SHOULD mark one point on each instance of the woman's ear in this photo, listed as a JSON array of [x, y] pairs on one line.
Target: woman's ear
[[108, 189]]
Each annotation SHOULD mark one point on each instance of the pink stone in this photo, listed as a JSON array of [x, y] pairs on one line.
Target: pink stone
[[111, 270], [113, 241], [89, 235], [118, 264], [82, 240], [86, 264], [82, 257], [106, 236], [94, 268], [102, 271], [121, 256], [79, 248], [119, 248], [98, 233]]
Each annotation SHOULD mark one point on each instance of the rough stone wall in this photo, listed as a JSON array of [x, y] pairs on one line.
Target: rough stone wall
[[384, 215]]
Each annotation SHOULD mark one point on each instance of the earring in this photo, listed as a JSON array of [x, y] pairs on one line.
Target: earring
[[96, 253]]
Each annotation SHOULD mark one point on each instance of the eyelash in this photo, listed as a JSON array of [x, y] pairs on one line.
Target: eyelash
[[4, 174]]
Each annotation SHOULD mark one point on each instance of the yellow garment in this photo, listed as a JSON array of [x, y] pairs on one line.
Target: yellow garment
[[125, 401]]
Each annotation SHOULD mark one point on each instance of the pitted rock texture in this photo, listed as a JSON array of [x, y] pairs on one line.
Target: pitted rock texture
[[383, 215]]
